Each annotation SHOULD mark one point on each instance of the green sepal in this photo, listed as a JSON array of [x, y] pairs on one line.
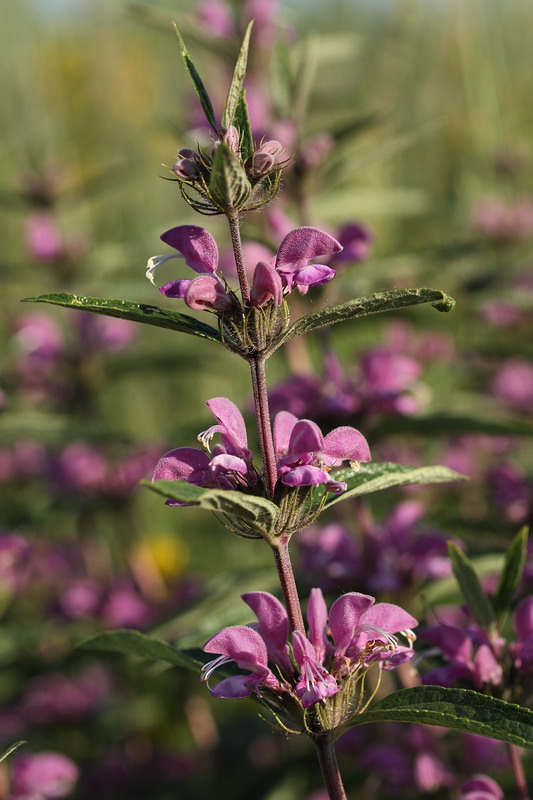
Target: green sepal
[[239, 73], [201, 91], [375, 476], [371, 304], [460, 709], [241, 121], [258, 514], [476, 599], [511, 574], [136, 312], [229, 187]]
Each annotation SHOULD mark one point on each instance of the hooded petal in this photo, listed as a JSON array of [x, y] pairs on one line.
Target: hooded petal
[[273, 626], [305, 476], [389, 618], [306, 437], [234, 687], [346, 443], [242, 644], [302, 244], [317, 619], [284, 422], [231, 420], [313, 275], [206, 292], [482, 783], [196, 245], [345, 616], [266, 285]]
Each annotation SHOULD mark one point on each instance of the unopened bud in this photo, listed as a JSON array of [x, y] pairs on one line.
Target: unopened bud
[[185, 169], [231, 139]]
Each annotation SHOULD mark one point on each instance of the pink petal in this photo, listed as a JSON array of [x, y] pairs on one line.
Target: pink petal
[[273, 625], [313, 275], [482, 783], [306, 437], [284, 422], [302, 244], [175, 288], [179, 464], [346, 443], [345, 616], [242, 644], [454, 643], [486, 667], [206, 292], [266, 285], [229, 416], [196, 245], [302, 648], [317, 618], [389, 617], [305, 476], [234, 687]]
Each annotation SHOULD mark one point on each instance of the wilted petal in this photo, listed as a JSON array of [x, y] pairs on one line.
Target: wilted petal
[[242, 644], [196, 245], [266, 285], [273, 625], [346, 443], [306, 437], [389, 617], [345, 616], [302, 244]]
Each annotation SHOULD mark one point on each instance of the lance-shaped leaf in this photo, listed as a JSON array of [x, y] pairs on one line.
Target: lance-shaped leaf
[[258, 513], [511, 574], [476, 599], [239, 73], [135, 643], [241, 120], [201, 91], [374, 476], [11, 749], [136, 312], [461, 709], [229, 188], [371, 304]]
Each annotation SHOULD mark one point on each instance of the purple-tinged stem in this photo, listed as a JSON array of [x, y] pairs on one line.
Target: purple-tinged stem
[[518, 771], [330, 769], [264, 425], [288, 584], [235, 231]]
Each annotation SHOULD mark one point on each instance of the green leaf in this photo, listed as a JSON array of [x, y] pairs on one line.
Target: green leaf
[[11, 749], [371, 304], [134, 643], [136, 312], [241, 121], [257, 512], [461, 709], [229, 186], [239, 73], [477, 601], [201, 91], [511, 574], [374, 477]]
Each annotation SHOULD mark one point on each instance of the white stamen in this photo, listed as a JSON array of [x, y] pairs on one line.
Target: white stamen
[[208, 669], [155, 262]]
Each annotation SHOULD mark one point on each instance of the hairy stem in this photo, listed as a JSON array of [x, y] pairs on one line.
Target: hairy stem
[[288, 584], [518, 771], [235, 231], [330, 769], [264, 426]]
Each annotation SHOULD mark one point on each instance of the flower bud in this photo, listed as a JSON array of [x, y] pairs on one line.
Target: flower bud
[[185, 169]]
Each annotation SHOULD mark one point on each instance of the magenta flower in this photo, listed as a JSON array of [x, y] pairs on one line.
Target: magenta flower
[[362, 634], [356, 241], [479, 665], [481, 787], [296, 251], [522, 649], [513, 384], [305, 456], [227, 466], [47, 775]]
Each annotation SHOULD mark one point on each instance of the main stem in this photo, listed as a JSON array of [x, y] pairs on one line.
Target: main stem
[[288, 584], [518, 771], [330, 769], [235, 232], [264, 425]]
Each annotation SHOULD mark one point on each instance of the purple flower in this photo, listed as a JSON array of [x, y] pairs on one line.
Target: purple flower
[[49, 775], [356, 241], [457, 646], [216, 19], [227, 466], [43, 238], [362, 634], [296, 251], [305, 456], [513, 384], [522, 649], [480, 787]]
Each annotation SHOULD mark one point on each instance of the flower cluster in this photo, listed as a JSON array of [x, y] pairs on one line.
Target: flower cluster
[[311, 667], [272, 280], [304, 455]]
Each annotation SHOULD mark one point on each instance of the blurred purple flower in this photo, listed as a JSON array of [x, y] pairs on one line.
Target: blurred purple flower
[[38, 343], [80, 599], [55, 697], [125, 608], [356, 241], [98, 333], [504, 222], [43, 238], [511, 489], [480, 787], [48, 774], [470, 656], [216, 18], [81, 467], [513, 384], [15, 555]]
